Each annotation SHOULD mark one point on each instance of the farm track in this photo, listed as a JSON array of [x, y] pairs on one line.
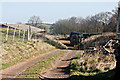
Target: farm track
[[60, 69], [15, 70]]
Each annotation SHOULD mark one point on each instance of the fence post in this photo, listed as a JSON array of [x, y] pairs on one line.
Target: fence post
[[35, 37], [7, 33], [28, 33], [23, 35], [14, 34], [31, 33], [19, 32]]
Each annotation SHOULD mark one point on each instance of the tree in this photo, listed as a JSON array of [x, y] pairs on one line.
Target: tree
[[19, 22], [111, 26], [34, 21], [101, 22]]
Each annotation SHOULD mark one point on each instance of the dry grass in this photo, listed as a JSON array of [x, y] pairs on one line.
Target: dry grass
[[92, 63], [51, 40], [98, 40], [14, 52]]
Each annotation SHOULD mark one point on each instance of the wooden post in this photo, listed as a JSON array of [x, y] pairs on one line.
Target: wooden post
[[28, 34], [117, 28], [31, 33], [31, 36], [19, 32], [23, 35], [14, 34], [7, 33], [35, 37]]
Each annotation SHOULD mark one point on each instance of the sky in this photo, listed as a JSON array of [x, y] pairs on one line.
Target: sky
[[50, 12]]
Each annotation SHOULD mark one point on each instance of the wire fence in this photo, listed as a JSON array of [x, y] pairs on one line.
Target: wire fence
[[15, 34]]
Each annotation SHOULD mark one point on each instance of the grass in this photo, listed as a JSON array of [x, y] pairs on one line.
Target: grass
[[41, 66], [11, 31], [92, 66], [14, 52], [10, 35], [98, 40], [18, 50]]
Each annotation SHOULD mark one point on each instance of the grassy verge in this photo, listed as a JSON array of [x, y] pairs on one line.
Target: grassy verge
[[19, 50], [14, 52], [50, 40], [92, 66], [98, 40], [38, 68]]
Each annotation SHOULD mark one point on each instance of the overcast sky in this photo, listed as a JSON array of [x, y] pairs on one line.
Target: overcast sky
[[50, 12]]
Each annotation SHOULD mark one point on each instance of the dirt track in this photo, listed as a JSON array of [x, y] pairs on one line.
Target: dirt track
[[15, 70], [60, 69]]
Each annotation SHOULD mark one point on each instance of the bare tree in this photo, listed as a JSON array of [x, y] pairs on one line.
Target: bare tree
[[101, 22], [19, 22], [111, 26], [34, 21]]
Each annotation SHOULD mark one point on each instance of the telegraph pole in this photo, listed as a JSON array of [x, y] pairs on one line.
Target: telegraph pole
[[117, 47], [117, 28]]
